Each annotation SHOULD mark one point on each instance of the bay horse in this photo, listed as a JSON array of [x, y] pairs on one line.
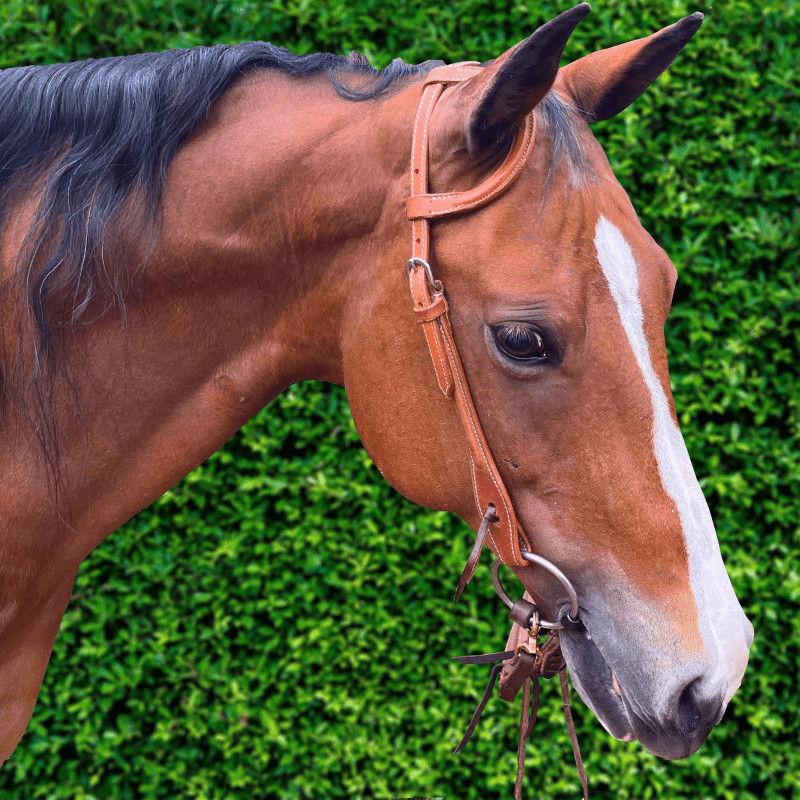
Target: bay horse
[[185, 234]]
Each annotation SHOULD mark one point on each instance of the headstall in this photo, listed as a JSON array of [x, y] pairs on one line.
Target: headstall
[[523, 658]]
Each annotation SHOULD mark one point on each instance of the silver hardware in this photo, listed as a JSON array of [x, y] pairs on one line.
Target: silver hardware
[[415, 262], [572, 615]]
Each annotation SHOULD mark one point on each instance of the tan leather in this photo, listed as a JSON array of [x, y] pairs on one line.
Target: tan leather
[[503, 536], [429, 206], [431, 310], [452, 73]]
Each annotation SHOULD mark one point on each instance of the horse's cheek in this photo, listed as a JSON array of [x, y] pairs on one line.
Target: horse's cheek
[[417, 445]]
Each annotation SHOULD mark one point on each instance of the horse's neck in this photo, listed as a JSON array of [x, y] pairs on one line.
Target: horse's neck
[[270, 214]]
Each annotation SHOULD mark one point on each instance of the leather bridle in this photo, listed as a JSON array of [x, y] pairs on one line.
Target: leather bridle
[[499, 527]]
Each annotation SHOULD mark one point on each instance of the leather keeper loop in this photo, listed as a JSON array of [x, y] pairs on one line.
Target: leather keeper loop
[[521, 612], [449, 74], [433, 311], [516, 676]]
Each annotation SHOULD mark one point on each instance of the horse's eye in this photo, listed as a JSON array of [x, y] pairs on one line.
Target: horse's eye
[[521, 341]]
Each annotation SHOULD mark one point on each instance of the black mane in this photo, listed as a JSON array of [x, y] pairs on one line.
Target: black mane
[[101, 129], [89, 135]]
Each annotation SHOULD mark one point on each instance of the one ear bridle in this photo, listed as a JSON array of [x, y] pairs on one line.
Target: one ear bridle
[[499, 526]]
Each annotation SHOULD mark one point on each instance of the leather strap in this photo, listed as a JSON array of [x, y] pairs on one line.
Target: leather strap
[[484, 658], [430, 308], [479, 710], [573, 737], [528, 674], [472, 561], [430, 206], [527, 720], [421, 205]]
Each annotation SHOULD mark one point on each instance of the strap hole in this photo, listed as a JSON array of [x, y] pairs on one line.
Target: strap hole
[[416, 172], [418, 241]]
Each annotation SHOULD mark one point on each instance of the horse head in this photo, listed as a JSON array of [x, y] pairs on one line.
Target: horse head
[[558, 299]]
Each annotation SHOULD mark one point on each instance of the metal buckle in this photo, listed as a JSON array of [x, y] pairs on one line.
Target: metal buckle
[[531, 645], [413, 263]]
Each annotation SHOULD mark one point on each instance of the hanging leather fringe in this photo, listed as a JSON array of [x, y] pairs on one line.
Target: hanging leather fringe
[[573, 737], [527, 720], [511, 681]]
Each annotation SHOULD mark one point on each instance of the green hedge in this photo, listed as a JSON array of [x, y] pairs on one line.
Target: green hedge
[[279, 625]]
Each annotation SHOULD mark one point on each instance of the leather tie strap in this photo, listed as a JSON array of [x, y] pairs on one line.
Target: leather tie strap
[[573, 737], [527, 719], [484, 658], [487, 693], [503, 535], [469, 568], [525, 673]]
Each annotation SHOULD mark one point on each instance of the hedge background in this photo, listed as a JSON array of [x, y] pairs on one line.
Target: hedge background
[[215, 647]]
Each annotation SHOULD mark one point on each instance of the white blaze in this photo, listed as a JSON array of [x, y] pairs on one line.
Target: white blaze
[[722, 622]]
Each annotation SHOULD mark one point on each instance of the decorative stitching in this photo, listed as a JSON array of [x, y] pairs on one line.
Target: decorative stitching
[[442, 360], [487, 194], [470, 69]]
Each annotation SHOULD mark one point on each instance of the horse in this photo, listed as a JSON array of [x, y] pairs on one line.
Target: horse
[[185, 234]]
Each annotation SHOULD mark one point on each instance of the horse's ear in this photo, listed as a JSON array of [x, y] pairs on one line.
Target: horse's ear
[[511, 85], [604, 83]]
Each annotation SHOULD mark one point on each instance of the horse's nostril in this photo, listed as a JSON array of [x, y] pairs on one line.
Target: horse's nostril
[[689, 716], [696, 713]]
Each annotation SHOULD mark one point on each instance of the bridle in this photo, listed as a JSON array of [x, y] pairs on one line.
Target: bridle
[[499, 527], [499, 522]]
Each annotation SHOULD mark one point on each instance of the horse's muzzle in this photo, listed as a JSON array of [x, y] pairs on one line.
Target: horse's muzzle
[[672, 725], [691, 714]]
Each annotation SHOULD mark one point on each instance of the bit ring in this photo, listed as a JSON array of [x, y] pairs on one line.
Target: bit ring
[[571, 616]]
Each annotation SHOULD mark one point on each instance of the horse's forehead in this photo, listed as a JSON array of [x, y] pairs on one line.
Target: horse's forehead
[[543, 239]]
